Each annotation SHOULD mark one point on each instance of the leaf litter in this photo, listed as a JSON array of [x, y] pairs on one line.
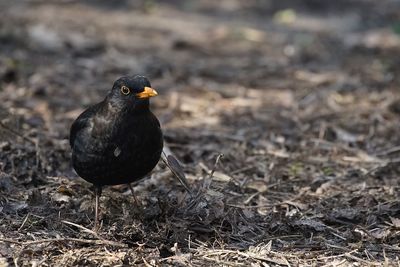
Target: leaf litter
[[307, 124]]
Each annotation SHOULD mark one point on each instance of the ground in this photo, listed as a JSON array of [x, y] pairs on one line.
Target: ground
[[301, 97]]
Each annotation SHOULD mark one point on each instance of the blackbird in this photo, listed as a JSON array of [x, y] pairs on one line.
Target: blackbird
[[119, 140]]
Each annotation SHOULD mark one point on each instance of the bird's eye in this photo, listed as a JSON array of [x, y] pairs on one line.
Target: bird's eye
[[125, 90]]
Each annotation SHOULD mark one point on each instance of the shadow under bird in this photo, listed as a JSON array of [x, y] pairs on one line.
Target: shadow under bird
[[119, 140]]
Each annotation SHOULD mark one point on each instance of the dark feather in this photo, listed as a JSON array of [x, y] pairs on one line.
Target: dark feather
[[116, 141]]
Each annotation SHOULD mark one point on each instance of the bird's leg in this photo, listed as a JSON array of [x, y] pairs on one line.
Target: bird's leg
[[134, 196], [97, 191]]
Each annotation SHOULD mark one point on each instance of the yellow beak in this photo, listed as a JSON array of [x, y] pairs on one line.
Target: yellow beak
[[148, 92]]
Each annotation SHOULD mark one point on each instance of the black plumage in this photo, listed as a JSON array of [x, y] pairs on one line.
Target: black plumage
[[119, 140]]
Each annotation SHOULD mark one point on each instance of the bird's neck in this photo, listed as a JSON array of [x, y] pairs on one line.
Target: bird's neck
[[138, 106]]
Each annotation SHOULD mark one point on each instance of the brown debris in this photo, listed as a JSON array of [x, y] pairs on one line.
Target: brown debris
[[300, 97]]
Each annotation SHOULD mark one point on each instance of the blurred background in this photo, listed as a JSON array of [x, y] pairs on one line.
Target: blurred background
[[230, 67], [302, 98]]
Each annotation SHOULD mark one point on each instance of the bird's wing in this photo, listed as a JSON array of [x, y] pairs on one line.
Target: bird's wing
[[81, 123]]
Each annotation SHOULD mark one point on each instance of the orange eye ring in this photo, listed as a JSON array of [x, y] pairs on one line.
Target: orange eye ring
[[125, 90]]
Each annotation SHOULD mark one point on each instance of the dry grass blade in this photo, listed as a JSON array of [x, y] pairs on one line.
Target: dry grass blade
[[12, 131], [231, 257], [86, 230], [176, 170], [66, 239]]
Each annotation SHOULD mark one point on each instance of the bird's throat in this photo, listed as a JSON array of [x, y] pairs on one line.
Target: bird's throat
[[127, 107]]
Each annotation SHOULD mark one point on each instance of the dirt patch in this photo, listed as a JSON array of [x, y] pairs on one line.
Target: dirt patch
[[301, 98]]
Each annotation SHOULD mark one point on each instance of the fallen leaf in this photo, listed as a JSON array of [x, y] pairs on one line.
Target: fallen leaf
[[298, 205], [221, 177], [347, 214], [260, 186], [380, 233], [62, 189], [310, 223], [395, 222]]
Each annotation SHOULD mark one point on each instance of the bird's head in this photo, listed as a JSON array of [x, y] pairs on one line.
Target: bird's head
[[131, 92]]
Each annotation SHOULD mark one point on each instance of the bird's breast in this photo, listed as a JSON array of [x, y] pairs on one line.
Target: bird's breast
[[120, 150]]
